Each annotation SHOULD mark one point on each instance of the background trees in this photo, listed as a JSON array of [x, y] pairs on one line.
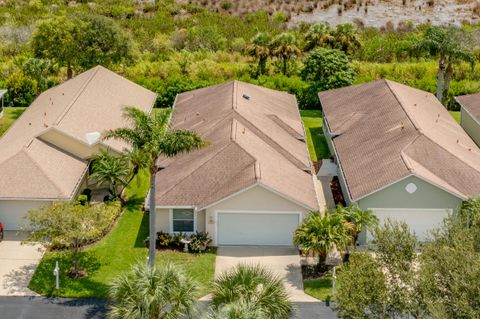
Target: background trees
[[81, 41]]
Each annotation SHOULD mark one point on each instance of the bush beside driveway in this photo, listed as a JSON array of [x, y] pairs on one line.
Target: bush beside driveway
[[115, 254]]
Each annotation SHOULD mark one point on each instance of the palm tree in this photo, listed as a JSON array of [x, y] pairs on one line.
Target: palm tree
[[151, 138], [260, 49], [345, 38], [256, 288], [357, 219], [145, 292], [317, 35], [238, 310], [320, 234], [448, 45], [111, 170], [285, 46]]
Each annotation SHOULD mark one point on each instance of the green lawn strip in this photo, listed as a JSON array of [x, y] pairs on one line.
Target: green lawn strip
[[456, 115], [115, 254], [317, 145], [10, 114], [320, 288]]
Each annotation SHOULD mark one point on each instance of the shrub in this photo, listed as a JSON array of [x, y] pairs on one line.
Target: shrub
[[199, 242], [22, 90], [163, 239], [83, 199]]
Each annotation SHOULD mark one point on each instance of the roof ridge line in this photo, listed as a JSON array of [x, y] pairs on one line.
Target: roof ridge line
[[234, 95], [454, 155], [196, 168], [75, 98], [402, 104], [41, 169]]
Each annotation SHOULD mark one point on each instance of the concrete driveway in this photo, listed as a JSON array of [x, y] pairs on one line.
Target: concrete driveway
[[283, 261], [17, 265]]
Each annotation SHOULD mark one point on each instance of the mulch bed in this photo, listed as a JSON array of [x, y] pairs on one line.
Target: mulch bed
[[337, 192]]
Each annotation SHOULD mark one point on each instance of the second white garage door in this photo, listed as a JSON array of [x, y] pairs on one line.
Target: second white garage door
[[420, 221], [256, 228]]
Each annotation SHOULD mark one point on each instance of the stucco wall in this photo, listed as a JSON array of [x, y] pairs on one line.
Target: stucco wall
[[470, 126], [12, 211], [426, 196], [162, 220], [70, 145], [254, 199], [328, 138]]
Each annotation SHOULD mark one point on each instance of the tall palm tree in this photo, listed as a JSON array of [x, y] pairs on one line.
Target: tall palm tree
[[163, 292], [345, 38], [317, 35], [320, 234], [150, 137], [285, 46], [111, 170], [256, 288], [448, 45], [357, 219], [260, 49]]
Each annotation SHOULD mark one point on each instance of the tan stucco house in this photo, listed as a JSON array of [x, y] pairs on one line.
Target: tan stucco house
[[470, 115], [252, 184], [400, 153], [44, 156]]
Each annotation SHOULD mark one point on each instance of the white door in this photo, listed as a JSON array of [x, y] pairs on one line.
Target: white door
[[420, 221], [256, 228]]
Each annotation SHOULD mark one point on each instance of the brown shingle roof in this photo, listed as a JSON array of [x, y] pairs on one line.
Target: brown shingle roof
[[254, 136], [387, 131], [471, 103], [91, 102]]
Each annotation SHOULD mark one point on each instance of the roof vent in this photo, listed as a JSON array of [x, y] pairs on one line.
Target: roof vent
[[92, 137], [307, 170], [246, 97], [301, 138]]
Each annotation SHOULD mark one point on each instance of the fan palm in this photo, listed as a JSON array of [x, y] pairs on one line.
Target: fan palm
[[285, 46], [345, 38], [320, 234], [255, 286], [111, 170], [357, 219], [447, 44], [147, 292], [238, 310], [260, 49], [150, 138], [317, 35]]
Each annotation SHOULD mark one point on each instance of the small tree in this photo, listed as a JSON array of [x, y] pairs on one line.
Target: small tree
[[253, 286], [358, 220], [320, 234], [325, 69], [363, 292], [66, 225], [345, 38], [81, 41], [153, 292], [318, 35]]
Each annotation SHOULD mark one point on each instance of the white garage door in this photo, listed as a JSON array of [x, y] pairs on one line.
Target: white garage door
[[420, 221], [12, 212], [256, 228]]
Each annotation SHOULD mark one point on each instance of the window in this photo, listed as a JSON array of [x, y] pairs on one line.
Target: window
[[183, 220]]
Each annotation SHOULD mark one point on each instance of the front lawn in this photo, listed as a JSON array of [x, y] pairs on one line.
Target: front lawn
[[115, 254], [456, 115], [10, 114], [317, 145], [320, 288]]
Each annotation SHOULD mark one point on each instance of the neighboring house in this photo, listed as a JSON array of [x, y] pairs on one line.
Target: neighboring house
[[252, 184], [44, 156], [400, 152], [470, 115]]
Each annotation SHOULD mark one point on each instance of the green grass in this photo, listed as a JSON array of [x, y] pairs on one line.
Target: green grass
[[317, 145], [9, 116], [115, 254], [456, 115], [319, 288]]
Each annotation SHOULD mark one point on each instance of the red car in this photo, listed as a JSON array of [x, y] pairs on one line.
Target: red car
[[1, 232]]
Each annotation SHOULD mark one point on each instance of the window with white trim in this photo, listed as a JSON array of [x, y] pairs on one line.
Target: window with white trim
[[183, 220]]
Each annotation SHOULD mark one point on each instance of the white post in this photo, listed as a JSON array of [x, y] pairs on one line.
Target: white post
[[56, 273], [334, 282]]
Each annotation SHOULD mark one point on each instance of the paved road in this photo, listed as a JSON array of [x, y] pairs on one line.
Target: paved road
[[51, 308]]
